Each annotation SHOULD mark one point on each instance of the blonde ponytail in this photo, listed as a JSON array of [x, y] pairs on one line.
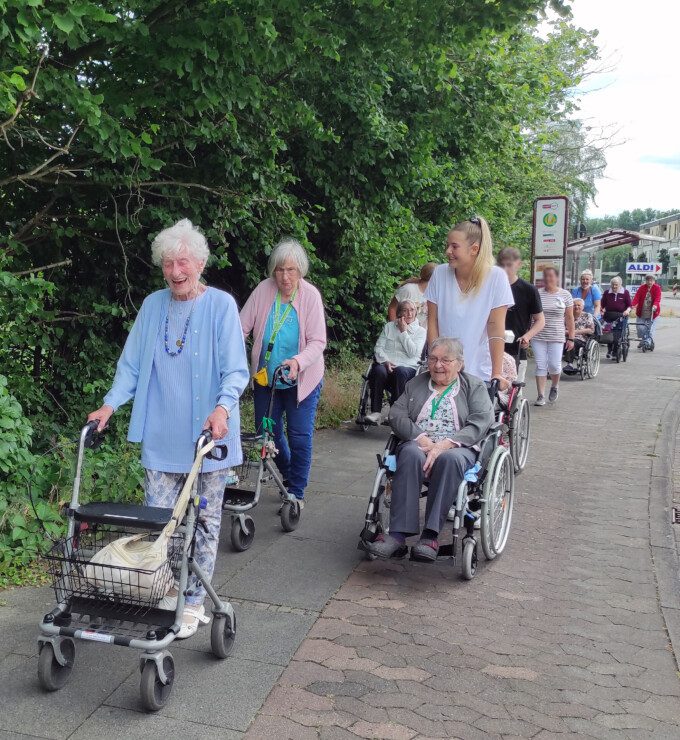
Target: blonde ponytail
[[477, 230]]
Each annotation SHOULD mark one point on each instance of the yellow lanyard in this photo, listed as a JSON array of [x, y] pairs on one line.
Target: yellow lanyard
[[279, 321]]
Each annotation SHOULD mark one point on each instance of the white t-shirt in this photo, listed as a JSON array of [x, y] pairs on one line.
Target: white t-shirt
[[411, 292], [465, 316]]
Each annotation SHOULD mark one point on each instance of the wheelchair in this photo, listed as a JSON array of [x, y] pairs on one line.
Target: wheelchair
[[515, 415], [486, 493], [365, 396], [586, 363]]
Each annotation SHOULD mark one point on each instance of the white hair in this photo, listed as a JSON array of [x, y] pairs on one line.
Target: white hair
[[580, 301], [182, 235], [616, 279], [454, 347], [402, 305], [288, 248], [589, 273]]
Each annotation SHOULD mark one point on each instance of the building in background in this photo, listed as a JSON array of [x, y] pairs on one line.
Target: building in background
[[668, 229]]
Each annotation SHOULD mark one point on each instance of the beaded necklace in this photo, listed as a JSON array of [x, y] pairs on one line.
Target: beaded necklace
[[180, 342]]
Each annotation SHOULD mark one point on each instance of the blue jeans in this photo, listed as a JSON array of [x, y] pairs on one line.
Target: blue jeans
[[294, 458]]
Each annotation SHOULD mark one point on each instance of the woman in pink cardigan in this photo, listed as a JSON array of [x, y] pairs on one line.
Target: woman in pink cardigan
[[286, 316]]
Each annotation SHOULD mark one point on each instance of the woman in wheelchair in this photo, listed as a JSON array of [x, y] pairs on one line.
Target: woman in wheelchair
[[397, 353], [584, 327], [439, 419]]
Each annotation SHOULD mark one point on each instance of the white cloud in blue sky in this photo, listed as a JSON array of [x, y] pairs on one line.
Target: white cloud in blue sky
[[639, 96]]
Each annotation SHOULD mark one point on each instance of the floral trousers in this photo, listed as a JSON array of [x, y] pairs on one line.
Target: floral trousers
[[162, 489]]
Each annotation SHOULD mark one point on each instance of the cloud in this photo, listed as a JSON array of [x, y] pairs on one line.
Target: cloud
[[666, 160]]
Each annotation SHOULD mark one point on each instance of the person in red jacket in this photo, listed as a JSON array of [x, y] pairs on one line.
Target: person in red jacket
[[647, 303]]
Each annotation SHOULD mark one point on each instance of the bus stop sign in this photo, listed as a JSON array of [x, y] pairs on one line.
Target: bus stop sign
[[643, 268]]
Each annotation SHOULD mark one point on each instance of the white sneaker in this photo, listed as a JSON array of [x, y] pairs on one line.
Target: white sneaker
[[192, 617], [374, 417], [451, 515]]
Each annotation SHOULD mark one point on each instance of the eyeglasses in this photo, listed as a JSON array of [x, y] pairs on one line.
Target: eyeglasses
[[444, 361]]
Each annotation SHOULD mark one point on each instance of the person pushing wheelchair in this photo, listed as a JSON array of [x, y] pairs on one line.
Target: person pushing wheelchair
[[440, 418]]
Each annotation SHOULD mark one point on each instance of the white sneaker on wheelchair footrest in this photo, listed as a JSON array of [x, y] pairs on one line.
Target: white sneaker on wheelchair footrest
[[192, 618], [374, 417]]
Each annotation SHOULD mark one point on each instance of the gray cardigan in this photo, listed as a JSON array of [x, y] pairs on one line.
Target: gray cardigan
[[475, 410]]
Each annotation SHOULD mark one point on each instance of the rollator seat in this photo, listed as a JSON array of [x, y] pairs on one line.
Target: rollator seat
[[123, 515]]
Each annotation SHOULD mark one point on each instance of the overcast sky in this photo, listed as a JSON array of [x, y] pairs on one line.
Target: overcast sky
[[640, 97]]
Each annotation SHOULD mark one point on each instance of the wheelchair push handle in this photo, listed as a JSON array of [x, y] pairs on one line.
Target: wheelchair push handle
[[494, 387]]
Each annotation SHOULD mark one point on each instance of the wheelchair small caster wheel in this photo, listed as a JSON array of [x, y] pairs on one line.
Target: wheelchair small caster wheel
[[469, 559], [154, 693], [51, 673], [240, 539], [222, 635], [290, 516]]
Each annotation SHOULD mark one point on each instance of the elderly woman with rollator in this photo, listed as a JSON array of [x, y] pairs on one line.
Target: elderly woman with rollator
[[440, 419], [185, 366], [285, 313], [397, 354]]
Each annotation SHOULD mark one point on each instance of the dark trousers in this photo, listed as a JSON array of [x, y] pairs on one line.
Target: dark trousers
[[570, 355], [294, 458], [394, 382], [445, 477]]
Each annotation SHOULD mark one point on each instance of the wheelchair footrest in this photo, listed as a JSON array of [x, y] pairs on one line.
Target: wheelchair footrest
[[237, 497]]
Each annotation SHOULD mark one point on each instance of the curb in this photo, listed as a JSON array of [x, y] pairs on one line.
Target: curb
[[662, 539]]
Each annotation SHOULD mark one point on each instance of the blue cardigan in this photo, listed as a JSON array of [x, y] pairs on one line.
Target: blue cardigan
[[219, 367]]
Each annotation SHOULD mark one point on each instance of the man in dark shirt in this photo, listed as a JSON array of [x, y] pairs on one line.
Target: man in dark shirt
[[525, 319]]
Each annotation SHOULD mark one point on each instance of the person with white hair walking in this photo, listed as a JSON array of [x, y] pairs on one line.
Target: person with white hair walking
[[184, 364], [286, 316], [589, 293]]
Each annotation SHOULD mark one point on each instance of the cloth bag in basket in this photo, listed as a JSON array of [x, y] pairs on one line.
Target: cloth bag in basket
[[135, 567]]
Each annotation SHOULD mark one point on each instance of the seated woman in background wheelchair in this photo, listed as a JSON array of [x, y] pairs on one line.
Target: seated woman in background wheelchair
[[439, 419], [397, 354], [584, 327]]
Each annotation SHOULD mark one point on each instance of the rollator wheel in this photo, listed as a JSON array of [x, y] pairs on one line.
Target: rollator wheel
[[240, 539], [519, 435], [51, 673], [222, 635], [624, 352], [154, 693], [290, 516], [469, 559]]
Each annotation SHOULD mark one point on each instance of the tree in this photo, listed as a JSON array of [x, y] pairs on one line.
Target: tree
[[665, 259]]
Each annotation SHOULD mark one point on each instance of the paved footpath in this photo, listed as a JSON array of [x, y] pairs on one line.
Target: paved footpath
[[569, 633]]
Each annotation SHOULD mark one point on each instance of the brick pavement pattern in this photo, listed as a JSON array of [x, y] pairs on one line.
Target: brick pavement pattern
[[563, 636]]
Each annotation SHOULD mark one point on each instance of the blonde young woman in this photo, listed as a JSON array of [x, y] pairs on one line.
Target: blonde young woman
[[469, 297]]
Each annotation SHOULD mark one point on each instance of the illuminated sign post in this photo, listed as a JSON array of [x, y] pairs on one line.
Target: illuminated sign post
[[549, 236]]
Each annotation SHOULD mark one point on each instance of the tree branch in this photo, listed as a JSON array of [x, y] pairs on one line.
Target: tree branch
[[25, 97], [41, 268]]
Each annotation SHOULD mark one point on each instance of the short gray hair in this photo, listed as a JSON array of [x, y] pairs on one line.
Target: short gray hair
[[288, 248], [616, 279], [454, 347], [579, 300], [401, 306], [172, 240]]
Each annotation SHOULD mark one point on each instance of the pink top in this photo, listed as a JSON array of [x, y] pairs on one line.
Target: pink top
[[311, 318]]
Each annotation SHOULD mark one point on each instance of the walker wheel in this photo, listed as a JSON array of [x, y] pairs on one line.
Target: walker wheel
[[222, 635], [469, 559], [240, 539], [51, 673], [290, 516], [154, 693]]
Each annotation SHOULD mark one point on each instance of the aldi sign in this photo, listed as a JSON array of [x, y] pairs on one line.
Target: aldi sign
[[643, 268]]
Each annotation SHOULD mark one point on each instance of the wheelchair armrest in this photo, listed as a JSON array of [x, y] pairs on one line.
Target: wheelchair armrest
[[518, 384], [497, 426]]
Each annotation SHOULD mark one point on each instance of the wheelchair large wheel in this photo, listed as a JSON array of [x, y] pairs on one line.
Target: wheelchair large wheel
[[499, 494], [364, 403], [593, 359], [519, 435]]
